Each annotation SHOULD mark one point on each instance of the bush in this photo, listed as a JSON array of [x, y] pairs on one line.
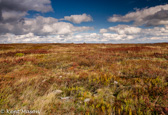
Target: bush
[[19, 54]]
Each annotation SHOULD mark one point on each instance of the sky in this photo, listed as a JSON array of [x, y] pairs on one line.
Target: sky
[[79, 21]]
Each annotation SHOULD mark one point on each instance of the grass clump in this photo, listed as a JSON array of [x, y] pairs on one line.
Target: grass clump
[[19, 54]]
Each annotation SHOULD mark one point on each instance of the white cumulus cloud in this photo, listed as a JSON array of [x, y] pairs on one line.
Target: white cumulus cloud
[[125, 29], [78, 18], [122, 29], [152, 16], [136, 34], [12, 10], [41, 26]]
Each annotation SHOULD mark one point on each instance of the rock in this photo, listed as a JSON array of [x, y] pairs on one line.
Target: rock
[[44, 80], [115, 82], [60, 76], [65, 98], [58, 91], [99, 90], [87, 100]]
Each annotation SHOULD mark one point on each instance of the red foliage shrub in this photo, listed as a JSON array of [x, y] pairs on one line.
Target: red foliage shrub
[[159, 55], [22, 60], [125, 49], [24, 52]]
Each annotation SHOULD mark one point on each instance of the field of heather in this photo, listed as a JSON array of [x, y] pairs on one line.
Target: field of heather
[[92, 79]]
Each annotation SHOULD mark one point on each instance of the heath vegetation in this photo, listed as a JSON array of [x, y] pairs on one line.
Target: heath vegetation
[[91, 79]]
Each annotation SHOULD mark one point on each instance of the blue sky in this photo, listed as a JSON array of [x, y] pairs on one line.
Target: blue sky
[[95, 21], [100, 10]]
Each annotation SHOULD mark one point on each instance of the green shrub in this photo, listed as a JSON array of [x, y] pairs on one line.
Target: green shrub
[[19, 54]]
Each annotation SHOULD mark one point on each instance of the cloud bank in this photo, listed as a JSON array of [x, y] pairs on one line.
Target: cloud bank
[[16, 28], [13, 20], [122, 29], [126, 33], [153, 16], [119, 35], [12, 10], [41, 26]]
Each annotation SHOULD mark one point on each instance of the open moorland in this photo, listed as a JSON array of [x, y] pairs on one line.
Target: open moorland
[[91, 79]]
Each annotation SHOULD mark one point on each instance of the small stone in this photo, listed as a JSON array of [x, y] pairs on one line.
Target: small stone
[[60, 76], [87, 100], [115, 82], [44, 80], [65, 98], [58, 91]]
